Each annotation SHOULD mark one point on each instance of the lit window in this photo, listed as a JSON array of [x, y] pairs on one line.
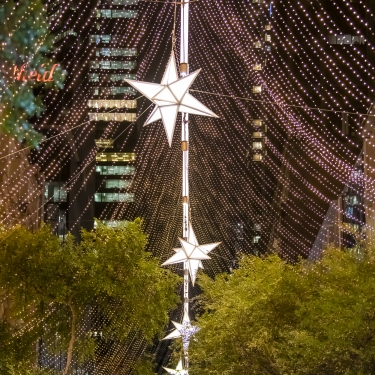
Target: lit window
[[268, 27], [105, 64], [94, 77], [103, 13], [118, 90], [129, 117], [102, 103], [117, 184], [267, 37], [257, 44], [112, 223], [115, 156], [104, 143], [257, 145], [115, 170], [344, 39], [55, 192], [94, 64], [257, 122], [114, 197], [103, 52], [257, 67], [100, 38], [116, 13], [256, 239], [257, 157], [257, 135], [116, 52], [257, 89]]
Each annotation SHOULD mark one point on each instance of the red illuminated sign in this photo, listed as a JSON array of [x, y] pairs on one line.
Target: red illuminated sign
[[22, 74]]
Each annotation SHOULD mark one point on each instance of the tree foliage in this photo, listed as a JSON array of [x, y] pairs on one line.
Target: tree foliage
[[48, 287], [24, 38], [270, 317]]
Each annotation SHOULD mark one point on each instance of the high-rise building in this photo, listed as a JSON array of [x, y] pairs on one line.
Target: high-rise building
[[98, 46]]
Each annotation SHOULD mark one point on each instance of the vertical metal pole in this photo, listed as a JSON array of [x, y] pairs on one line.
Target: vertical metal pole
[[184, 69]]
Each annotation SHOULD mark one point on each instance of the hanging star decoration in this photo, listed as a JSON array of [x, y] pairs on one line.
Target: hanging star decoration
[[192, 253], [178, 371], [170, 97], [184, 330]]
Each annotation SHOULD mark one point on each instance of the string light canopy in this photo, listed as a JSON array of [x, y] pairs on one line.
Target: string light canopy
[[299, 66]]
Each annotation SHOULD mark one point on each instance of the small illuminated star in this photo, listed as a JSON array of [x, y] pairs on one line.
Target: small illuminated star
[[184, 330], [192, 253], [170, 97]]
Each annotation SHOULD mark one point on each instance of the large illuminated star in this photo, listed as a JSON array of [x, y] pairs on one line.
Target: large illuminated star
[[178, 371], [184, 330], [170, 97], [192, 253]]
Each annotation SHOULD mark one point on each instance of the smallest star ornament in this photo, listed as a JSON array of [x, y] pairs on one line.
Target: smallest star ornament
[[192, 253], [185, 330], [178, 371]]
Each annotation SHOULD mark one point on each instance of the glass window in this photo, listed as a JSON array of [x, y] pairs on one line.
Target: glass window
[[111, 103], [257, 44], [257, 67], [257, 135], [257, 122], [103, 13], [117, 170], [119, 77], [129, 117], [256, 239], [344, 39], [257, 145], [94, 77], [114, 197], [104, 143], [257, 157], [118, 91], [94, 64], [105, 64], [122, 13], [257, 89], [332, 39], [106, 38], [267, 37], [104, 52], [112, 223], [115, 157], [117, 184]]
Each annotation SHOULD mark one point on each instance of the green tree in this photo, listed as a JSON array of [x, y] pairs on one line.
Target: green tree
[[48, 287], [269, 317], [24, 38]]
